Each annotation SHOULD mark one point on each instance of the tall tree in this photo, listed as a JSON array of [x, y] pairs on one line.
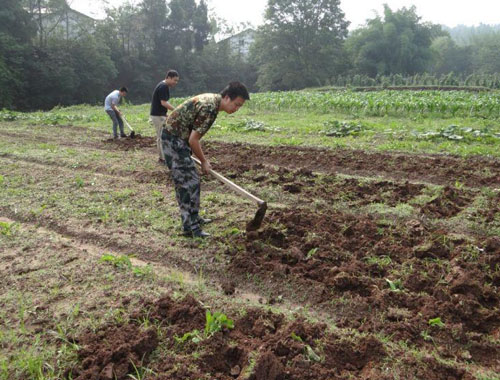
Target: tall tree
[[449, 57], [397, 44], [486, 53], [300, 43], [16, 29]]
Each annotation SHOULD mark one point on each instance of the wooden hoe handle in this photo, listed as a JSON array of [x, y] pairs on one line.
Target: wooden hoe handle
[[232, 185]]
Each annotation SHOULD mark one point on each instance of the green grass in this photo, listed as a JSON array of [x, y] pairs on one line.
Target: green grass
[[401, 123], [65, 181]]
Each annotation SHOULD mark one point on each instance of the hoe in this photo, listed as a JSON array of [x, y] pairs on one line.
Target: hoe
[[132, 132], [256, 222]]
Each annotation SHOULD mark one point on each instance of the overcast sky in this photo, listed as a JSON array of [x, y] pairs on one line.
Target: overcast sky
[[447, 12]]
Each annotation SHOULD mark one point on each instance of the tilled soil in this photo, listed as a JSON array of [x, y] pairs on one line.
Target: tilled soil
[[421, 280], [261, 346]]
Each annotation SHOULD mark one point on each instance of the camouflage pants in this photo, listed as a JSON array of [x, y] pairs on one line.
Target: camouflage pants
[[177, 155]]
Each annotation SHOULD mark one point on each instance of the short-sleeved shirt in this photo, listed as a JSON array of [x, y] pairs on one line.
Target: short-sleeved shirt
[[161, 92], [113, 98], [197, 113]]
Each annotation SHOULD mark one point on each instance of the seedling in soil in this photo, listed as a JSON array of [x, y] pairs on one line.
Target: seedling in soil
[[79, 182], [195, 336], [144, 271], [7, 229], [311, 355], [308, 351], [436, 322], [311, 253], [335, 128], [213, 323], [231, 232], [396, 286], [380, 261], [141, 373], [427, 337], [216, 322], [121, 262]]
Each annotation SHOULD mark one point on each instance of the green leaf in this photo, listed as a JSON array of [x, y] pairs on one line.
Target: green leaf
[[311, 354]]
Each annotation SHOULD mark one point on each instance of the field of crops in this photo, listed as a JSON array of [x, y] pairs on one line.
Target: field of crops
[[381, 103], [378, 258]]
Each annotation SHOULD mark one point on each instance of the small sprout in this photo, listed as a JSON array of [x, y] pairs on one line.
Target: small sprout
[[6, 228], [144, 271], [396, 286], [195, 336], [311, 253], [311, 354], [79, 182], [296, 337], [427, 337], [436, 322], [122, 261], [216, 322]]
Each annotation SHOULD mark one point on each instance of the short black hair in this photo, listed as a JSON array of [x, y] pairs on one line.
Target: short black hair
[[235, 89], [124, 89], [171, 74]]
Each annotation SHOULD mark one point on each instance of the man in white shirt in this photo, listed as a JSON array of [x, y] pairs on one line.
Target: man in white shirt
[[114, 113]]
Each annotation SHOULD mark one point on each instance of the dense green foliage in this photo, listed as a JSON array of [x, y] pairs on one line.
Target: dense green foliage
[[398, 43], [381, 103], [300, 45], [44, 62]]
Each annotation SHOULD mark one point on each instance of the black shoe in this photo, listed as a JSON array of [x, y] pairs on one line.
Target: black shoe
[[123, 136], [204, 221], [198, 233]]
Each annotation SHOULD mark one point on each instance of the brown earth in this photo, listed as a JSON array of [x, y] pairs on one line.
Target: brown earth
[[377, 275], [261, 346]]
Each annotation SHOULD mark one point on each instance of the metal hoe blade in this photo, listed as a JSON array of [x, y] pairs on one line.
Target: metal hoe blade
[[256, 222]]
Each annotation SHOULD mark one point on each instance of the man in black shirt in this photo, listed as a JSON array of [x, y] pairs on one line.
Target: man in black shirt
[[160, 106]]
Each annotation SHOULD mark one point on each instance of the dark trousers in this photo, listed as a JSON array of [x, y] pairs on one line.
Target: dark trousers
[[117, 122]]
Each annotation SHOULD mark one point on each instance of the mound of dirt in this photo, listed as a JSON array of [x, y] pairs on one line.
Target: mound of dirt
[[114, 352]]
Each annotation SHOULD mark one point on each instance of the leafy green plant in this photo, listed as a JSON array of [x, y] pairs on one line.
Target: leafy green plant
[[122, 261], [213, 323], [337, 128], [195, 336], [143, 271], [457, 133], [79, 182], [308, 351], [6, 228], [436, 322], [381, 261], [250, 125], [311, 355], [216, 322], [396, 285], [427, 337], [311, 253]]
